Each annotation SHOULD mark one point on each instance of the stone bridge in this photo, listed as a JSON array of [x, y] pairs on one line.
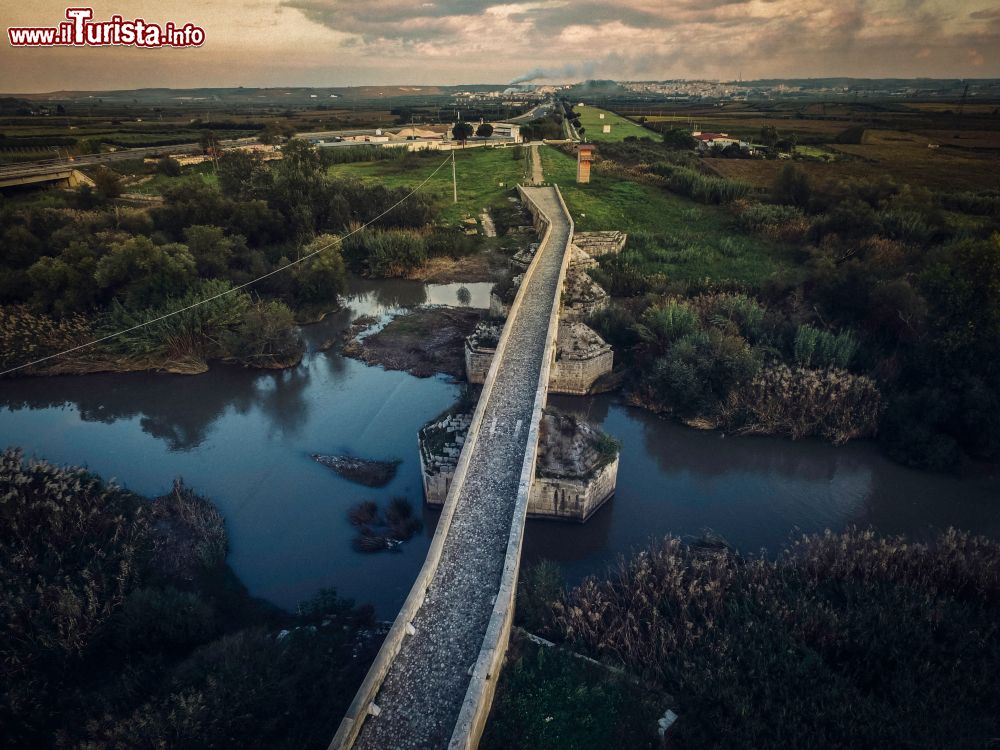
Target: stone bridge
[[432, 683], [62, 175]]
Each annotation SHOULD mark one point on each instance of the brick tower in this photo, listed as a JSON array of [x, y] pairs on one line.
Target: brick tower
[[584, 155]]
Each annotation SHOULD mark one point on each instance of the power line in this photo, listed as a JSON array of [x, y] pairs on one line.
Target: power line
[[235, 288]]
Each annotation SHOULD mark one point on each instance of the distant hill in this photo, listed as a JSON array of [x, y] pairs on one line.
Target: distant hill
[[242, 95]]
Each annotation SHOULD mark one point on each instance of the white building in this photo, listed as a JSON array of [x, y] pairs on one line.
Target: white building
[[506, 130]]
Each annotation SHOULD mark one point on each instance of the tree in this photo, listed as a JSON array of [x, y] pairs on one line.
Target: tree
[[462, 131], [108, 183], [485, 130], [678, 138], [322, 278], [791, 187], [768, 135], [169, 167], [210, 248], [243, 175], [207, 141], [266, 335], [144, 274]]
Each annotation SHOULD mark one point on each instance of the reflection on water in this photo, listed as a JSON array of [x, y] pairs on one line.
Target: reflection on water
[[755, 491], [376, 296], [243, 437]]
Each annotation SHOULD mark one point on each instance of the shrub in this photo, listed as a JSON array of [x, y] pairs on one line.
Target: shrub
[[385, 253], [746, 313], [266, 336], [786, 222], [190, 534], [156, 620], [168, 166], [539, 587], [69, 552], [621, 276], [828, 637], [617, 325], [667, 323], [697, 373], [792, 187], [320, 280], [700, 187], [815, 348], [831, 404]]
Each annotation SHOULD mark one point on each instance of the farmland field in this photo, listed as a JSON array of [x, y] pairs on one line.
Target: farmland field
[[485, 178], [590, 118], [691, 241]]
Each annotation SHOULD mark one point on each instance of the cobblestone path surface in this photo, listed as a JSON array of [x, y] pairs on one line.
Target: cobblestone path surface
[[422, 694]]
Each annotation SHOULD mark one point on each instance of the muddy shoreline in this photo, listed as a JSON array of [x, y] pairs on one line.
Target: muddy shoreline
[[424, 342]]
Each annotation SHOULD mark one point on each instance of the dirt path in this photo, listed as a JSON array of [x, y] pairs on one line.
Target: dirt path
[[489, 228], [536, 167]]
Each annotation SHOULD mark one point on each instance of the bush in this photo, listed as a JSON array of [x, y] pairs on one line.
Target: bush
[[831, 404], [773, 220], [168, 166], [266, 336], [155, 620], [385, 253], [108, 611], [792, 187], [697, 373], [617, 325], [621, 275], [321, 279], [539, 587], [700, 187], [722, 308], [815, 348], [852, 639], [665, 324]]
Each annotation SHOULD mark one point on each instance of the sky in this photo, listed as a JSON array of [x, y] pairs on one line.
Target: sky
[[381, 42]]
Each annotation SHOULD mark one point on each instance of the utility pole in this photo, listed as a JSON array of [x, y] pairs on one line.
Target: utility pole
[[454, 180]]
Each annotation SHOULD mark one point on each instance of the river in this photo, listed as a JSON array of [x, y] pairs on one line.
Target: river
[[244, 438]]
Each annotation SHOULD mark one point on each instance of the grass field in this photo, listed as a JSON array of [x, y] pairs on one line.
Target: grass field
[[590, 118], [157, 183], [486, 177], [696, 241]]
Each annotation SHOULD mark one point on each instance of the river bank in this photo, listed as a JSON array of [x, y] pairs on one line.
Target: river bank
[[245, 438], [423, 342]]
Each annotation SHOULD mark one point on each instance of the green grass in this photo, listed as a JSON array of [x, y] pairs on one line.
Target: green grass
[[590, 118], [816, 152], [694, 241], [161, 182], [480, 172]]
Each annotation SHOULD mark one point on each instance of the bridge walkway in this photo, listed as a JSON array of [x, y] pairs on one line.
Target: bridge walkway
[[420, 699]]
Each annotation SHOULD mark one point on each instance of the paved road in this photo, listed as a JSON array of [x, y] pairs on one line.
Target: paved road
[[46, 166], [421, 696]]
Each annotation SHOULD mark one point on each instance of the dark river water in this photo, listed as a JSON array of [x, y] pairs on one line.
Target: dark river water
[[244, 439]]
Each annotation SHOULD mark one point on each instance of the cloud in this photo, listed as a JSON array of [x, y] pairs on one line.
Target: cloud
[[570, 40], [329, 42]]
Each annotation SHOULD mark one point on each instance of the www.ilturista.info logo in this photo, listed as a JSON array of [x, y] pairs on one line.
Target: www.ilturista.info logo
[[80, 31]]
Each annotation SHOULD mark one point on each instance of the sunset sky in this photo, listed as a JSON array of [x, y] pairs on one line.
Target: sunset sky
[[336, 43]]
